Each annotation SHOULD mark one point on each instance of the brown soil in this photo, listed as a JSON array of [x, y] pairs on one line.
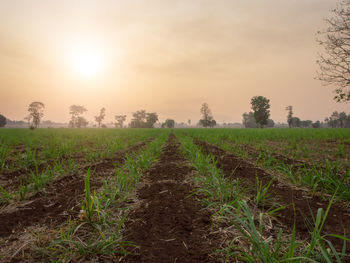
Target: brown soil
[[306, 206], [60, 200], [168, 225]]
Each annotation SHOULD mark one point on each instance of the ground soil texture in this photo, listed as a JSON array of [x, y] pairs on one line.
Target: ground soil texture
[[338, 220], [60, 200], [168, 225]]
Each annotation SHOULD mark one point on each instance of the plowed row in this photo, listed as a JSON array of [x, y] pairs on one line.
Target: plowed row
[[169, 225], [302, 206], [59, 201]]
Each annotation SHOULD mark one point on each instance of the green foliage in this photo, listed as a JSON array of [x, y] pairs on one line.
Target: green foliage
[[3, 120], [36, 111], [169, 123], [261, 106], [143, 119], [207, 117]]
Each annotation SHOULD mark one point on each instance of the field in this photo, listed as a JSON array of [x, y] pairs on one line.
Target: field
[[181, 195]]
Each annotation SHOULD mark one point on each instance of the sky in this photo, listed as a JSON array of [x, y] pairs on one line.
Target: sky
[[163, 56]]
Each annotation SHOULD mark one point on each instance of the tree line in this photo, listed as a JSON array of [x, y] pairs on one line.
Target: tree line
[[259, 117]]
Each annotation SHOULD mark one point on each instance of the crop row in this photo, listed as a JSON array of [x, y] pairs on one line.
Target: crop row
[[320, 174], [250, 213]]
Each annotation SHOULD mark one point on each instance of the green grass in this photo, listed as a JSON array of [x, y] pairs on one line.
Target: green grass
[[250, 242], [99, 231], [43, 154], [323, 151]]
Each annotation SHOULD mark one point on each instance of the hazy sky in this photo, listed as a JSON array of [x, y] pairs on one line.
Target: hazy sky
[[164, 56]]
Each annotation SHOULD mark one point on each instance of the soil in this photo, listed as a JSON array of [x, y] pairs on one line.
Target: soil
[[168, 224], [306, 205], [60, 200]]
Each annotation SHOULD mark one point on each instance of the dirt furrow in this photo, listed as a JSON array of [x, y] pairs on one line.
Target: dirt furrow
[[167, 224], [305, 205], [60, 200]]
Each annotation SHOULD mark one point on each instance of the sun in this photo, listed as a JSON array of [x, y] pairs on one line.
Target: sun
[[87, 62]]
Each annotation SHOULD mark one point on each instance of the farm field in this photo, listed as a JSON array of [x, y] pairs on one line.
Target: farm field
[[181, 195]]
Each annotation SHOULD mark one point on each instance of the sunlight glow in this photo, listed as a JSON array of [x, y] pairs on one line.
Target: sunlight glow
[[87, 62]]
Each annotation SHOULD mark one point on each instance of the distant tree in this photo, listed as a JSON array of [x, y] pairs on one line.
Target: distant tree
[[3, 120], [335, 63], [36, 111], [289, 116], [143, 119], [212, 123], [189, 122], [316, 124], [169, 123], [77, 121], [342, 119], [306, 124], [28, 119], [338, 120], [296, 122], [151, 119], [333, 120], [249, 120], [260, 107], [100, 117], [81, 122], [119, 120], [139, 119], [270, 123], [207, 116]]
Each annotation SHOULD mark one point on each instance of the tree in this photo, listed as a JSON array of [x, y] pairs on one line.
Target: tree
[[81, 122], [36, 111], [249, 120], [270, 123], [169, 123], [119, 120], [151, 119], [335, 63], [139, 119], [306, 124], [212, 123], [143, 119], [3, 120], [289, 116], [316, 124], [28, 119], [77, 121], [189, 122], [260, 107], [207, 116], [342, 119], [296, 122], [100, 117], [338, 120]]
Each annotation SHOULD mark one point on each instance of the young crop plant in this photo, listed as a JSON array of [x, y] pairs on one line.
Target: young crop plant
[[5, 196], [262, 195], [90, 205], [3, 154]]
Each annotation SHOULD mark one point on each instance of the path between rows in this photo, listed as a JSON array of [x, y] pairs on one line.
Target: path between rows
[[168, 225]]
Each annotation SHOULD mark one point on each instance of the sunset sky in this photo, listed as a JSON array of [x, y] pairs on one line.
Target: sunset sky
[[163, 56]]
